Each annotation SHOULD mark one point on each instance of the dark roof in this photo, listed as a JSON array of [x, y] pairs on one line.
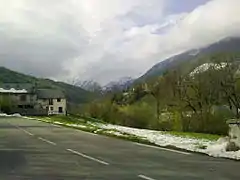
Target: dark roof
[[49, 94]]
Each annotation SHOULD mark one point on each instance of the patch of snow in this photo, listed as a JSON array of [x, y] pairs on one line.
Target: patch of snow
[[16, 115], [12, 115], [3, 115], [204, 67], [116, 133], [60, 123], [219, 150], [77, 125], [214, 148]]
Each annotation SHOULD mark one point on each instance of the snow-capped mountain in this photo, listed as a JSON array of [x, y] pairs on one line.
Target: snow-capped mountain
[[90, 85], [226, 45], [121, 84]]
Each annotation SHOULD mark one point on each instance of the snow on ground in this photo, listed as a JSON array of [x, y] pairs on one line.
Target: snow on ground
[[210, 147], [12, 115], [218, 150], [3, 114], [213, 148]]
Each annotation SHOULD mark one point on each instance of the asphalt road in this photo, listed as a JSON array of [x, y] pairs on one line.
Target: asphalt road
[[33, 150]]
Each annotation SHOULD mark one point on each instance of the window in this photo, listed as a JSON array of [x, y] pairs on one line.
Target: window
[[60, 109], [28, 107], [51, 108], [20, 106], [58, 100], [23, 98], [50, 101]]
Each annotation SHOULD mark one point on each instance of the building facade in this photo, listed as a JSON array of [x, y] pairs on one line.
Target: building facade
[[52, 100], [32, 101]]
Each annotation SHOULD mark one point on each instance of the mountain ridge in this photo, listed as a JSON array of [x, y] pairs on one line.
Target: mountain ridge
[[226, 45]]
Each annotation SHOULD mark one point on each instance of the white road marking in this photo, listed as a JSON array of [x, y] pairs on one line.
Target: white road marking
[[27, 132], [145, 177], [88, 157], [47, 141], [166, 149]]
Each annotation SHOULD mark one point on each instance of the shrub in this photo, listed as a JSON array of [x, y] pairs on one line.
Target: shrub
[[138, 115], [5, 105]]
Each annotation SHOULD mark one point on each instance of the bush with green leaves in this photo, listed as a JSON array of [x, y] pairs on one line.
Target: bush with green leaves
[[5, 104]]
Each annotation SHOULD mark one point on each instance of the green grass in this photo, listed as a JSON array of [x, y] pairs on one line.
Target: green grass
[[92, 128], [211, 137], [68, 121]]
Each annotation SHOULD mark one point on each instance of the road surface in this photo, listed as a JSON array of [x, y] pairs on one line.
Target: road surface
[[33, 150]]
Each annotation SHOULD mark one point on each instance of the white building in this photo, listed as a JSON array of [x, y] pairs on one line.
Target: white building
[[52, 100]]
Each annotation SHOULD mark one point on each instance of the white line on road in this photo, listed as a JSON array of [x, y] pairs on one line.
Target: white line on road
[[166, 149], [47, 141], [27, 132], [145, 177], [88, 157]]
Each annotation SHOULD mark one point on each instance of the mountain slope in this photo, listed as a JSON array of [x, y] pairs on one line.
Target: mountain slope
[[74, 94], [91, 86], [122, 84], [228, 45]]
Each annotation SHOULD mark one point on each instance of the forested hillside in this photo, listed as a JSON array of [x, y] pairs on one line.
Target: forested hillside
[[74, 94], [186, 98]]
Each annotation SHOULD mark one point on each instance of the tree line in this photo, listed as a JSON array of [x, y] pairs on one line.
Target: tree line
[[178, 100]]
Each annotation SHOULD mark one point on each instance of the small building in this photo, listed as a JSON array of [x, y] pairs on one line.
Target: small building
[[20, 97], [52, 100], [27, 100]]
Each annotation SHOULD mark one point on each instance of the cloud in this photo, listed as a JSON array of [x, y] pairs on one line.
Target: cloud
[[104, 40]]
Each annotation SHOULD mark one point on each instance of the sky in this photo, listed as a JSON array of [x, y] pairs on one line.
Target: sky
[[105, 40]]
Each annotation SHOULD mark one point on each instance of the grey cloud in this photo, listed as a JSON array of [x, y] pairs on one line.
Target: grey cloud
[[64, 39], [39, 53]]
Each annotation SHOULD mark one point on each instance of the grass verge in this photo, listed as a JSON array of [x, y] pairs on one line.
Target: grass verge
[[211, 137], [83, 125]]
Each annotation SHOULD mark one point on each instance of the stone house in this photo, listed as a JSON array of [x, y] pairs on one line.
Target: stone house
[[52, 100], [28, 100]]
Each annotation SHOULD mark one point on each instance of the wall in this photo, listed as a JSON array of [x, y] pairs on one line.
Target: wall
[[29, 112], [30, 99], [45, 104], [234, 131], [56, 105], [16, 98], [38, 106]]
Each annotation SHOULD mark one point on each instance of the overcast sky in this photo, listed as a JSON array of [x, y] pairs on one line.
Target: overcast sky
[[104, 40]]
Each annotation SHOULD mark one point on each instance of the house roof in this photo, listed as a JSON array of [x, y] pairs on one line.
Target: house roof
[[49, 94], [16, 88], [15, 91]]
